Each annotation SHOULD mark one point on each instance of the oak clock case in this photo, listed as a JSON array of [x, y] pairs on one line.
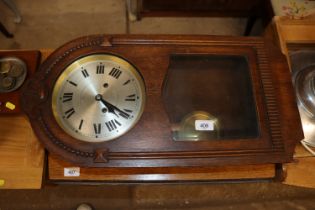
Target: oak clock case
[[238, 88]]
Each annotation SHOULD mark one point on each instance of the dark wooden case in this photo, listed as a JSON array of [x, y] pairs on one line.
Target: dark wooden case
[[239, 8], [149, 143]]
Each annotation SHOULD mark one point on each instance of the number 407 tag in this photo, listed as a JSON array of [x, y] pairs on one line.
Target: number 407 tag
[[71, 172], [204, 125]]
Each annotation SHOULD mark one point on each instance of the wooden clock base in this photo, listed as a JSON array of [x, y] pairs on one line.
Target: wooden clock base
[[57, 167]]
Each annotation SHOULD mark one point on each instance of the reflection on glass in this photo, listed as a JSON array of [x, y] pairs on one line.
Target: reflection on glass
[[189, 129], [210, 97]]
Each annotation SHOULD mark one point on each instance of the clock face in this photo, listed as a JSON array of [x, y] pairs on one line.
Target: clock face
[[98, 98]]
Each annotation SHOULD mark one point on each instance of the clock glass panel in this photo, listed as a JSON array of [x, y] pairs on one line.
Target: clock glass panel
[[98, 98], [210, 97]]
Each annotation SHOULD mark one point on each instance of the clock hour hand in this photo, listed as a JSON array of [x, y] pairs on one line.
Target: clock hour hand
[[122, 113], [111, 108]]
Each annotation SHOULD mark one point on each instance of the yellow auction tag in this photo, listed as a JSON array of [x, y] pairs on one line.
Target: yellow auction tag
[[9, 105], [2, 182]]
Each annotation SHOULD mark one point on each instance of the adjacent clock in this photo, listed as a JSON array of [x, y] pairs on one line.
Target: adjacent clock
[[98, 98]]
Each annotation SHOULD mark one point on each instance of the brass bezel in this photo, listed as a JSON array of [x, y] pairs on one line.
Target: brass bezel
[[78, 63]]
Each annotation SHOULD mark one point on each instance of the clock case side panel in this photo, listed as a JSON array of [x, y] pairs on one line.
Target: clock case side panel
[[291, 126], [104, 156]]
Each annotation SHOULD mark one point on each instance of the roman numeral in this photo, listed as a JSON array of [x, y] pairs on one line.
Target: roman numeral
[[85, 73], [117, 122], [100, 69], [128, 110], [81, 123], [111, 125], [69, 113], [124, 115], [131, 97], [67, 97], [97, 128], [127, 82], [115, 73], [72, 83]]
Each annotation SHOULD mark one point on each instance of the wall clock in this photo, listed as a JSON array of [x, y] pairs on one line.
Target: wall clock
[[164, 101]]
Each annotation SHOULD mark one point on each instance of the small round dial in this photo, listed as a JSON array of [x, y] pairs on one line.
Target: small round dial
[[98, 98]]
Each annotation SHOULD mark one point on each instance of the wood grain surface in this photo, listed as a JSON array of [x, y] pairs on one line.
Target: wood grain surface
[[301, 172], [21, 154], [294, 31]]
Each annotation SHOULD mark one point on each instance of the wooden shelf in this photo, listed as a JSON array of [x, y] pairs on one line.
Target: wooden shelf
[[21, 155], [292, 35]]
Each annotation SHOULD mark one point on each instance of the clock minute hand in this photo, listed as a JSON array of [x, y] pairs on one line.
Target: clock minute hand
[[122, 113], [111, 108]]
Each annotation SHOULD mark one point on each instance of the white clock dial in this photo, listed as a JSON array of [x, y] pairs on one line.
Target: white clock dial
[[98, 98]]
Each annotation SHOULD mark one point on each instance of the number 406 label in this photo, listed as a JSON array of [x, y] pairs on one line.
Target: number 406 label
[[204, 125]]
